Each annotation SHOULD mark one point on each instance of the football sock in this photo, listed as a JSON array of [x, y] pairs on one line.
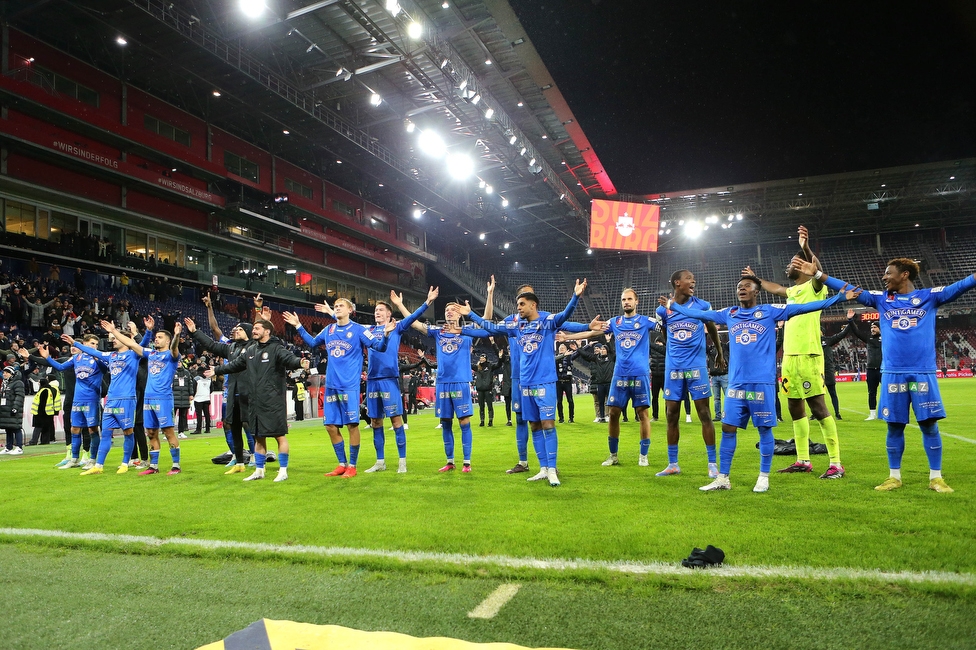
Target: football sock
[[174, 453], [448, 436], [766, 443], [466, 439], [104, 446], [401, 440], [154, 458], [259, 460], [672, 451], [128, 444], [801, 436], [726, 452], [340, 451], [895, 444], [932, 440], [614, 444], [829, 428], [552, 446], [283, 460], [710, 449], [379, 442], [229, 438], [353, 454], [539, 444], [93, 441], [250, 441], [522, 438], [75, 445]]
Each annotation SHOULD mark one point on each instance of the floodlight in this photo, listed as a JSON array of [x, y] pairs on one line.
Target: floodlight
[[252, 8], [489, 189], [489, 113], [393, 7], [460, 166], [415, 30], [481, 236], [693, 229], [512, 140], [504, 203], [375, 99], [431, 144], [417, 213]]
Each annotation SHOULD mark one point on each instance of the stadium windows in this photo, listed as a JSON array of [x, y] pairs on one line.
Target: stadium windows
[[19, 218], [240, 166], [412, 239], [298, 188], [342, 208], [64, 86], [168, 131], [379, 224]]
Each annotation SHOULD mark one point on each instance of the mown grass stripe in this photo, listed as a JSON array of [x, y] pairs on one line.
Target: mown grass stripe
[[502, 561]]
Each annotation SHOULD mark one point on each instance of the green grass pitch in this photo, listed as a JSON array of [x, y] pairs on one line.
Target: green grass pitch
[[111, 594]]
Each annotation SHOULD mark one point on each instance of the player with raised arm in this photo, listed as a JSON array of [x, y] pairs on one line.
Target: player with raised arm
[[803, 365], [752, 370], [344, 341], [267, 363], [383, 398], [157, 408], [686, 369], [907, 321], [535, 335], [120, 403]]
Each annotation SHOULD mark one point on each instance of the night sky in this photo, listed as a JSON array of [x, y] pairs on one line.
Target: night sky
[[684, 95]]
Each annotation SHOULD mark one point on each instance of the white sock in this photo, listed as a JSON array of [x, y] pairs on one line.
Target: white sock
[[935, 473], [896, 473]]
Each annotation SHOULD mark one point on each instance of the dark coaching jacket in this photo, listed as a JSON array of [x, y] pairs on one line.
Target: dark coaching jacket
[[238, 384]]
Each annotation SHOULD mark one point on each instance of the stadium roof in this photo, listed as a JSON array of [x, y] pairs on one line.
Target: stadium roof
[[875, 201], [311, 68]]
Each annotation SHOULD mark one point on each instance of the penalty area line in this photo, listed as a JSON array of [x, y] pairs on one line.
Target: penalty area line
[[508, 562]]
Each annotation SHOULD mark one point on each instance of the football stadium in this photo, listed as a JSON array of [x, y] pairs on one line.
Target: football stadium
[[323, 325]]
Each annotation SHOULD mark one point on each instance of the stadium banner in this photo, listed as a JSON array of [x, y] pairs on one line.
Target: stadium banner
[[624, 226], [268, 634], [951, 373]]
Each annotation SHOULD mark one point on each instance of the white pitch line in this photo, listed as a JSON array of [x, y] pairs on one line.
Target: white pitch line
[[508, 562], [490, 606]]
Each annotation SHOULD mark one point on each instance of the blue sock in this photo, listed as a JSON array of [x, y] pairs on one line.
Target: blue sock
[[93, 445], [613, 443], [104, 446], [283, 460], [766, 443], [727, 452], [250, 441], [401, 441], [466, 439], [174, 453], [672, 454], [711, 453], [76, 446], [522, 438], [229, 439], [448, 436], [259, 460], [128, 444], [932, 440], [539, 443], [353, 454], [154, 458], [645, 446], [379, 443], [895, 444], [340, 451], [552, 446]]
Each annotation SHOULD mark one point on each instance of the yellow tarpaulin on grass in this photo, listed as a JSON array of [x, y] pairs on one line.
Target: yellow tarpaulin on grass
[[287, 635]]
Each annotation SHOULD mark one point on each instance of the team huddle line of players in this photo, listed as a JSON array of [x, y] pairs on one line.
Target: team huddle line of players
[[258, 363]]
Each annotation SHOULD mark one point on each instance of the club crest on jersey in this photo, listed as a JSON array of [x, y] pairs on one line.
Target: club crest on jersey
[[745, 338], [885, 411], [625, 225], [348, 335], [264, 355], [758, 314], [904, 323], [449, 347], [916, 301]]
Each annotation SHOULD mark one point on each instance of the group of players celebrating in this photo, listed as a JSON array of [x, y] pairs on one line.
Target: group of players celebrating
[[258, 364]]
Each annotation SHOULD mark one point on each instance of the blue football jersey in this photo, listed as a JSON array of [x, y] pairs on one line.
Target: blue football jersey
[[162, 369], [685, 337], [122, 366], [752, 335], [907, 322], [88, 376], [453, 355], [632, 339], [386, 364], [344, 344]]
